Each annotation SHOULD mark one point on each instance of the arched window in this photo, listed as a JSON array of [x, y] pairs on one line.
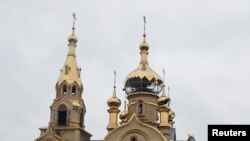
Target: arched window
[[140, 107], [133, 139], [62, 115], [73, 91], [64, 89]]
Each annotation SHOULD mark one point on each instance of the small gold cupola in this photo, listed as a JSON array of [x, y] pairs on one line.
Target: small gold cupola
[[163, 99], [70, 72], [143, 78], [124, 114], [114, 101], [114, 104]]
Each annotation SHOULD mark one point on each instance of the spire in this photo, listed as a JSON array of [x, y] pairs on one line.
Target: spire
[[125, 104], [169, 96], [144, 48], [124, 114], [70, 71], [114, 92], [164, 85], [163, 98], [144, 33], [74, 22], [72, 37], [114, 101]]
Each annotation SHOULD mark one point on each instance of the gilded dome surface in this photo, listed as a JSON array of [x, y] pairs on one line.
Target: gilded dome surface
[[171, 115], [114, 101], [72, 38], [123, 115], [163, 100], [142, 72], [143, 79]]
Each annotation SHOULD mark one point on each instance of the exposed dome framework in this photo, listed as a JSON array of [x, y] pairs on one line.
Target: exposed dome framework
[[143, 81]]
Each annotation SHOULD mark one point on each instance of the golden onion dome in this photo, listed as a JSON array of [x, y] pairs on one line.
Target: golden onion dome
[[72, 38], [143, 72], [144, 46], [114, 101], [163, 100], [171, 115], [123, 115], [143, 79]]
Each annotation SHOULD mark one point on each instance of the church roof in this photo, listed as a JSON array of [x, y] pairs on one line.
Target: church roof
[[70, 71]]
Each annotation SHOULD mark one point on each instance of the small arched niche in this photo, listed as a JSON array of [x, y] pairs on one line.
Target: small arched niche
[[140, 107], [65, 89]]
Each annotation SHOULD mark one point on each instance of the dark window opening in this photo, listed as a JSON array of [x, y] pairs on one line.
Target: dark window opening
[[134, 139], [140, 108], [64, 89], [74, 90], [62, 115]]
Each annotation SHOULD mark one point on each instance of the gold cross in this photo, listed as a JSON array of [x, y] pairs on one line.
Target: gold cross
[[114, 78], [74, 21], [144, 18]]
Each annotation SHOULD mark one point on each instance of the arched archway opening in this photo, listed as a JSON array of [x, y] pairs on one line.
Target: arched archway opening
[[62, 115]]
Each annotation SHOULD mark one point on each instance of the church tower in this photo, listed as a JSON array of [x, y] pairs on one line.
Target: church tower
[[148, 115], [68, 109], [113, 103]]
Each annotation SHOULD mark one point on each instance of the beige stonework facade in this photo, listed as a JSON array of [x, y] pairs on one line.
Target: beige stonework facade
[[135, 128]]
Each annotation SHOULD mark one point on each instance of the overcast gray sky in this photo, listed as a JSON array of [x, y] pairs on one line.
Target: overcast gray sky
[[203, 45]]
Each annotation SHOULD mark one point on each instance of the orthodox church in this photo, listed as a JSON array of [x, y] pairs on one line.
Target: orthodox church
[[146, 117]]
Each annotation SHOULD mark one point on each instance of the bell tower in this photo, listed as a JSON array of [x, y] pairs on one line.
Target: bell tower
[[68, 108]]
